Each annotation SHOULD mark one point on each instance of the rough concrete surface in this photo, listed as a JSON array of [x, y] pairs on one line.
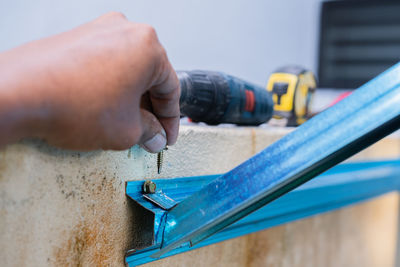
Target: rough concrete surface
[[62, 208]]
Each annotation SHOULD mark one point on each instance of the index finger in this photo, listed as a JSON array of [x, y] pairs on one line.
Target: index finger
[[164, 97]]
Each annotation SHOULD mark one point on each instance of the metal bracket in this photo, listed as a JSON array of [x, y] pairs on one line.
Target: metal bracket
[[341, 186], [160, 199]]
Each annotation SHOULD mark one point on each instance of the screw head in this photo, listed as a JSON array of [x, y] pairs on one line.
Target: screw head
[[149, 187]]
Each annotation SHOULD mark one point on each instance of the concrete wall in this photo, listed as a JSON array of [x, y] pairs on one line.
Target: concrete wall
[[245, 38], [61, 208]]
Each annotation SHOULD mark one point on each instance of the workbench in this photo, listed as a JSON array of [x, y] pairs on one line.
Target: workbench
[[64, 208]]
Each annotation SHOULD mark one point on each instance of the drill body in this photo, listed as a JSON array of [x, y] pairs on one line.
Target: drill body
[[215, 98]]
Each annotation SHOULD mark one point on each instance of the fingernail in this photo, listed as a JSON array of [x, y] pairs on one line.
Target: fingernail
[[155, 144]]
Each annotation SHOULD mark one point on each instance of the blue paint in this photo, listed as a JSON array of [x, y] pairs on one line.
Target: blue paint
[[340, 186]]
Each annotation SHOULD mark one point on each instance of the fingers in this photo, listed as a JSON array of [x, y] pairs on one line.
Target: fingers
[[164, 97], [153, 137]]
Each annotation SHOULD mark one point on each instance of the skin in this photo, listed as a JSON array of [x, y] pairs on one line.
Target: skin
[[107, 84]]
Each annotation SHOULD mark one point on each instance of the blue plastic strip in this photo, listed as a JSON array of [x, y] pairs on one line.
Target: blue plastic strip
[[341, 186]]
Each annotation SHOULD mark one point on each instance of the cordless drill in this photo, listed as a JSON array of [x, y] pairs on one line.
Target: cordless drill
[[214, 98]]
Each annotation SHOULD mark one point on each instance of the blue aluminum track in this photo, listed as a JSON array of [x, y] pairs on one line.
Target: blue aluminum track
[[343, 185], [367, 115], [218, 209]]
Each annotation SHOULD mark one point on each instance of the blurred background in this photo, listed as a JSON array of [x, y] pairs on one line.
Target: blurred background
[[248, 39]]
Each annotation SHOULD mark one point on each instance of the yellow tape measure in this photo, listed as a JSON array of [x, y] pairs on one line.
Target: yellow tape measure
[[292, 90]]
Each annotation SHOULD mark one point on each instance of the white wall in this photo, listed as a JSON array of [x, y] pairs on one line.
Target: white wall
[[240, 37]]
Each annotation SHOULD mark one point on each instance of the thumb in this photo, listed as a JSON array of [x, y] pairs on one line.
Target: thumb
[[154, 138]]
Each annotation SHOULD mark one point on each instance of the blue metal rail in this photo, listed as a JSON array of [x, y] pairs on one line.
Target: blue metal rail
[[341, 186], [366, 116]]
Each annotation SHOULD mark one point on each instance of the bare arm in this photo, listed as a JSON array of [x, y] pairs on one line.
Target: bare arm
[[106, 84]]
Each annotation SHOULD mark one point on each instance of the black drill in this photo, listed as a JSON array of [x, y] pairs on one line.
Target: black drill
[[214, 98]]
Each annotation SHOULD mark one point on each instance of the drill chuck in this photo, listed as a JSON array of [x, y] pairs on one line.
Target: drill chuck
[[214, 98]]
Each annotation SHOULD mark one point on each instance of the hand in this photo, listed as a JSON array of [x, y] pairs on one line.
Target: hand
[[107, 84]]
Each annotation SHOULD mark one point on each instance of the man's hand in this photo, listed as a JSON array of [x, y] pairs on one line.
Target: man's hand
[[106, 84]]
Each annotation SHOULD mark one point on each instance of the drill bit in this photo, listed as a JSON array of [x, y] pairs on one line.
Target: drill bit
[[160, 159]]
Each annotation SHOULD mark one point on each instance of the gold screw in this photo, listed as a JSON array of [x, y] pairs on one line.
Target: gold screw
[[160, 159]]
